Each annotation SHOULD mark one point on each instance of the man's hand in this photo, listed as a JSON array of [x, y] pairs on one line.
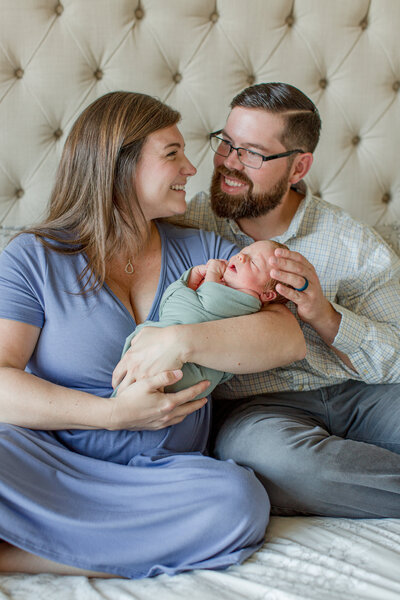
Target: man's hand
[[292, 270]]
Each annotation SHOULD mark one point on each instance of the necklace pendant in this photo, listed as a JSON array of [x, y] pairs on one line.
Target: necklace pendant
[[129, 268]]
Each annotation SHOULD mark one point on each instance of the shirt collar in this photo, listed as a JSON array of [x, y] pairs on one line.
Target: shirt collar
[[293, 229]]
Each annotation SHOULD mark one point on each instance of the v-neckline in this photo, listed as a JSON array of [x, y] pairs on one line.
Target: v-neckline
[[157, 297]]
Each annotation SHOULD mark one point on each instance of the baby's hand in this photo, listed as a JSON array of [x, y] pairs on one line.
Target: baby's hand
[[196, 276], [215, 270]]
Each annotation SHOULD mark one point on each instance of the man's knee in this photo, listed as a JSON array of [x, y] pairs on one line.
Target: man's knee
[[256, 436], [283, 453]]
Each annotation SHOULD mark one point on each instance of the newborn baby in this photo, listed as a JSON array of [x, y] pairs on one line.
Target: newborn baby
[[217, 290]]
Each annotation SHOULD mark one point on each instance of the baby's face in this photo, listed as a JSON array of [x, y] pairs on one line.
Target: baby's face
[[249, 270]]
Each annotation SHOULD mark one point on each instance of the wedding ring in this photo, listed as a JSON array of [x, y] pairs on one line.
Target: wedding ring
[[305, 286]]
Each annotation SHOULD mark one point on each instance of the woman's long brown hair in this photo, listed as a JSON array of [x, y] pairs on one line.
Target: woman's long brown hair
[[93, 206]]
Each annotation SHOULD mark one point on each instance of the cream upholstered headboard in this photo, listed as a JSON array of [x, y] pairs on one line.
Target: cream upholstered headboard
[[57, 57]]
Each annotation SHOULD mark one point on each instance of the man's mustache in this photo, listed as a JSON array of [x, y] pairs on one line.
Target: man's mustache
[[234, 175]]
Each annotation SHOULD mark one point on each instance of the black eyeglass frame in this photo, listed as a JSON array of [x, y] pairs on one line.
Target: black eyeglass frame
[[215, 135]]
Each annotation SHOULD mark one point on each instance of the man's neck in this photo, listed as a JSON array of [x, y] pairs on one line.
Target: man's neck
[[275, 222]]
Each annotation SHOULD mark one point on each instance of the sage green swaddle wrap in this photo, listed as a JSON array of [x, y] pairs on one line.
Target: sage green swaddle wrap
[[181, 305]]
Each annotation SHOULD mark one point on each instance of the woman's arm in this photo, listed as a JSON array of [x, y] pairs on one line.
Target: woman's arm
[[249, 344], [28, 401]]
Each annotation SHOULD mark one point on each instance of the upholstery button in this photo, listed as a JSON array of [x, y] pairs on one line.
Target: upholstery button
[[364, 24], [59, 9], [177, 77], [289, 20], [250, 79], [19, 193], [318, 194], [58, 133], [386, 198], [356, 140], [323, 83], [19, 73], [98, 74], [139, 13], [214, 17], [396, 86]]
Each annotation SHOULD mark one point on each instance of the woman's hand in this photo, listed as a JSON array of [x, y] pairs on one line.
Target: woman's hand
[[153, 350], [144, 405]]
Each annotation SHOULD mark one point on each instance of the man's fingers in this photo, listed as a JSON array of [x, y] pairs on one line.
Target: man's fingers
[[289, 293], [286, 253], [289, 279]]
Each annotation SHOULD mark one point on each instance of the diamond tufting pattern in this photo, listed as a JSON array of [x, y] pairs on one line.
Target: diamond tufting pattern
[[57, 57]]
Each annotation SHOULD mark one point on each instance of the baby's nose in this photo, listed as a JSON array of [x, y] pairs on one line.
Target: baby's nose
[[241, 258]]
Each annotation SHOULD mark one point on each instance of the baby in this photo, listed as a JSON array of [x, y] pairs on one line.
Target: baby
[[247, 272], [217, 290]]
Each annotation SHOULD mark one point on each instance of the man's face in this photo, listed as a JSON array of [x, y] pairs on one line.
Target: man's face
[[238, 191]]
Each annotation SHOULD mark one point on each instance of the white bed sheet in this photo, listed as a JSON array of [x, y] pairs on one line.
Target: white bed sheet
[[303, 558]]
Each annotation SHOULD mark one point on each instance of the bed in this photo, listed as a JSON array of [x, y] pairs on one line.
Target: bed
[[57, 57]]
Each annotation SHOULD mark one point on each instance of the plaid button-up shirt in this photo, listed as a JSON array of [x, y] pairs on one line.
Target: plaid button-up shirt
[[359, 274]]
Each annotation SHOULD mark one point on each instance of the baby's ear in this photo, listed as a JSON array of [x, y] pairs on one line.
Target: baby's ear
[[268, 295]]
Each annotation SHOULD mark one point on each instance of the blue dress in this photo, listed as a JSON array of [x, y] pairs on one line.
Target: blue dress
[[132, 503]]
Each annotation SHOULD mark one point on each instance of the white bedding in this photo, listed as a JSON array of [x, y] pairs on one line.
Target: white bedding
[[303, 558]]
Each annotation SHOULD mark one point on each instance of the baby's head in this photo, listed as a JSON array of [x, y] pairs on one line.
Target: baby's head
[[249, 271]]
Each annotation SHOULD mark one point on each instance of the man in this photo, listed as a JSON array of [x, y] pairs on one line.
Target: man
[[323, 434]]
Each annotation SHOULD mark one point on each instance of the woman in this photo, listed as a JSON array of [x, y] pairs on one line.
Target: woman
[[117, 487]]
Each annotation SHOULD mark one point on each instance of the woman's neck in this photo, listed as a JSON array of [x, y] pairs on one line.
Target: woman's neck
[[137, 287], [135, 257]]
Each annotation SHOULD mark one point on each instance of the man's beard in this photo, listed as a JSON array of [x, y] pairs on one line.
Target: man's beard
[[247, 205]]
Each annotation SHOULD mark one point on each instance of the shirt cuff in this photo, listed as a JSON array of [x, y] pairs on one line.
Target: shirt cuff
[[352, 330]]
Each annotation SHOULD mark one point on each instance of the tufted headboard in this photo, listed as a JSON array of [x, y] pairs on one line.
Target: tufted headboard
[[57, 57]]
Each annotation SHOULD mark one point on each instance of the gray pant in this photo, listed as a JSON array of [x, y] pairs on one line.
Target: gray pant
[[334, 451]]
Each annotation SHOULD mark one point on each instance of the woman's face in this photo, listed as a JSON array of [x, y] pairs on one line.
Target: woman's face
[[161, 174]]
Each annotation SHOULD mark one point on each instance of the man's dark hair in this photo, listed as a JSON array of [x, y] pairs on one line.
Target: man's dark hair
[[301, 116]]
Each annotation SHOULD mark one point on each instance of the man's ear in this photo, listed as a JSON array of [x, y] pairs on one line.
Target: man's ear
[[268, 295], [300, 167]]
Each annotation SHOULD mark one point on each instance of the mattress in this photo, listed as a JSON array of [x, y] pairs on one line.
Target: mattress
[[303, 558]]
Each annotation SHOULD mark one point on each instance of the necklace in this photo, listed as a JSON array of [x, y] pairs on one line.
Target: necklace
[[129, 268]]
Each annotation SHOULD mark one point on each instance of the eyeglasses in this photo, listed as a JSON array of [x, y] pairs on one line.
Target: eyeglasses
[[248, 158]]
